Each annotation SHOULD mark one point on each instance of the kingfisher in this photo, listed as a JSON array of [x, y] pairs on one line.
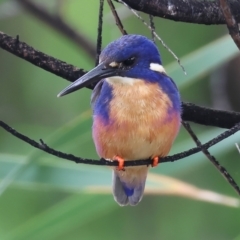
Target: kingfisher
[[136, 111]]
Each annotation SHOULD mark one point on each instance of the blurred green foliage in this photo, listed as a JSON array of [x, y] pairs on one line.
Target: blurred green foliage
[[42, 197]]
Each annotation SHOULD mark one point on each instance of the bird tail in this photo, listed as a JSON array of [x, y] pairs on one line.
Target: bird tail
[[128, 186]]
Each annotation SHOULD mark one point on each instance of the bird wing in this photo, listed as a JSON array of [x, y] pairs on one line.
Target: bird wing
[[96, 92]]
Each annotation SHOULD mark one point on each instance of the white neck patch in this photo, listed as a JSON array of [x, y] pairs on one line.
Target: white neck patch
[[157, 67], [122, 80]]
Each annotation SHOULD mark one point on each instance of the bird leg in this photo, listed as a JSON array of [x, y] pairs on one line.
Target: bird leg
[[155, 161], [120, 163]]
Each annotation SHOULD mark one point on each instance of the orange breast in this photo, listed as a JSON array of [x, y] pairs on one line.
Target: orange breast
[[141, 123]]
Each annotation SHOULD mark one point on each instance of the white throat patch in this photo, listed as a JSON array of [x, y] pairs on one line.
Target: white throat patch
[[157, 67], [122, 80]]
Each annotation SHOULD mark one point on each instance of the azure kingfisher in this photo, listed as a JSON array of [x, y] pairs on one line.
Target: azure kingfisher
[[136, 111]]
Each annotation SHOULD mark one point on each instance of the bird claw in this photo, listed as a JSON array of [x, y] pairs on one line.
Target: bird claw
[[155, 161], [120, 163]]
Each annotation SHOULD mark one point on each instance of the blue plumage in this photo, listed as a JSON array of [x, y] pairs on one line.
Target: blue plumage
[[131, 45], [101, 97], [128, 190]]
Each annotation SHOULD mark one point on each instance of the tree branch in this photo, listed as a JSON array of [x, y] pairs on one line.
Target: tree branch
[[39, 59], [191, 11], [116, 17], [60, 25], [212, 159], [231, 22], [42, 146], [191, 112], [208, 116]]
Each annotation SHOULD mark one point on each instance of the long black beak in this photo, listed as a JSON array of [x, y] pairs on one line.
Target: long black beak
[[100, 72]]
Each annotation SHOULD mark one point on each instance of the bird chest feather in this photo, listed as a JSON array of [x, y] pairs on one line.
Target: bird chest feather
[[141, 122]]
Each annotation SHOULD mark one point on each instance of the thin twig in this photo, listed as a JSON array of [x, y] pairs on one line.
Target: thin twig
[[99, 34], [155, 34], [212, 159], [42, 146], [152, 26], [117, 19], [231, 22]]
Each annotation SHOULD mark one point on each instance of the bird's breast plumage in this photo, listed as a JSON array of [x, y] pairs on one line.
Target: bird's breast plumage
[[141, 121]]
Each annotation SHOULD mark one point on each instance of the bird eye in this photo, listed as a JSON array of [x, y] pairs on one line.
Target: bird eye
[[129, 62]]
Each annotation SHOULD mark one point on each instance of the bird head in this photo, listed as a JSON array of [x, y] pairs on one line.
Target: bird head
[[129, 57]]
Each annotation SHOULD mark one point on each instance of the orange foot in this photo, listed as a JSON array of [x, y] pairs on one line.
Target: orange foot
[[155, 161], [120, 163]]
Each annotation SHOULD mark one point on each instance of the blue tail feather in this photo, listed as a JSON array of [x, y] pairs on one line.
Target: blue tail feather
[[124, 193], [129, 191]]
